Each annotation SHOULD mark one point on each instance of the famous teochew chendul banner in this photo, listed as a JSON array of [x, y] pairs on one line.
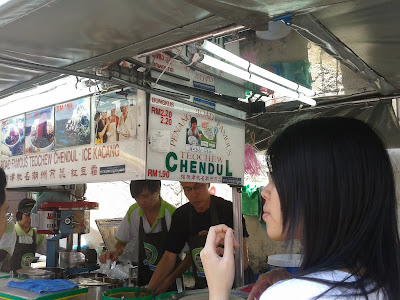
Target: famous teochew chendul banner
[[94, 139]]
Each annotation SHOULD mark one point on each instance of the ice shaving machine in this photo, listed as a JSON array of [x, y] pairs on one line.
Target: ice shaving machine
[[62, 216]]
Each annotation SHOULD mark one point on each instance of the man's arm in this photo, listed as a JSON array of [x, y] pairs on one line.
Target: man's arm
[[3, 254], [163, 270], [182, 267], [114, 254]]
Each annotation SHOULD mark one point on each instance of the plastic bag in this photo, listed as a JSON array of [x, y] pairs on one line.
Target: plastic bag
[[114, 270], [252, 166]]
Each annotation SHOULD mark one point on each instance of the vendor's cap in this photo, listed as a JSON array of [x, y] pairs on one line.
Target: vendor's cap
[[26, 205]]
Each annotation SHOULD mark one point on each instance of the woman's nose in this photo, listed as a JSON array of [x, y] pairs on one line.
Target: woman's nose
[[266, 192]]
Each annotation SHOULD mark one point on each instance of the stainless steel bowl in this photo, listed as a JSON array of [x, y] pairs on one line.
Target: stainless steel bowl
[[59, 273], [32, 273], [95, 286], [71, 259], [96, 283]]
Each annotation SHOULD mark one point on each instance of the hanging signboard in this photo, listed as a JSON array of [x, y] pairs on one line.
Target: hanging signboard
[[186, 143], [95, 139], [200, 80]]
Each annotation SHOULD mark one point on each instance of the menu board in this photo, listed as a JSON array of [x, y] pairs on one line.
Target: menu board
[[95, 139], [186, 143]]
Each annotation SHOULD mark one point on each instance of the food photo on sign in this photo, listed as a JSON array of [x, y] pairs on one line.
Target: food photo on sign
[[101, 125], [203, 139], [13, 136], [115, 118], [72, 123], [39, 131]]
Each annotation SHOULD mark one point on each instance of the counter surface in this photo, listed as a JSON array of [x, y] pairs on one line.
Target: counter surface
[[20, 294]]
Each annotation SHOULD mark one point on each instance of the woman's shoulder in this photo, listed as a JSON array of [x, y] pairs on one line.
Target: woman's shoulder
[[299, 289], [304, 289]]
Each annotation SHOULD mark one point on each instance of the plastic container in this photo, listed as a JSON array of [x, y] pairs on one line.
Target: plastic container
[[128, 293], [289, 262], [166, 296]]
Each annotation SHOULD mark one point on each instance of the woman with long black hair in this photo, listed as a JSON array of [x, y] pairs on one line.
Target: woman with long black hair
[[331, 187]]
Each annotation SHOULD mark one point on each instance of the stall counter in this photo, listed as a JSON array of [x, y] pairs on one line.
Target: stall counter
[[20, 294]]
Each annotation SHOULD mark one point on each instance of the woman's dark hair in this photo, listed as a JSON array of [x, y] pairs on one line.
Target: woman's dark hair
[[138, 186], [3, 184], [193, 120], [335, 182]]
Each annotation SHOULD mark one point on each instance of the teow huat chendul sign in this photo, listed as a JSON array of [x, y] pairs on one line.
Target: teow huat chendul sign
[[186, 143]]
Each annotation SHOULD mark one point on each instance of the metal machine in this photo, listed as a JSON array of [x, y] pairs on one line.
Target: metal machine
[[63, 220]]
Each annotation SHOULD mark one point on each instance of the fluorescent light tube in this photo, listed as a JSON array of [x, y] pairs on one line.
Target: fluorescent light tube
[[214, 49], [252, 68], [215, 63]]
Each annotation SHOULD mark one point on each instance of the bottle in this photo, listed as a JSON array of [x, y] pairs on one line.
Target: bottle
[[101, 249]]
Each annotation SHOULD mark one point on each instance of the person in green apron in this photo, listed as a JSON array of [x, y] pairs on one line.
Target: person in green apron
[[190, 224], [145, 227], [28, 240]]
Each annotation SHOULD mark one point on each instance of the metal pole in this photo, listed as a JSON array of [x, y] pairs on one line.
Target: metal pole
[[217, 33], [238, 233], [70, 242], [33, 66], [398, 109], [149, 66], [169, 96], [78, 248]]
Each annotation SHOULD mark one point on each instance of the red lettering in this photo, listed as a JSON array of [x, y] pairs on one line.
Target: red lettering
[[151, 173]]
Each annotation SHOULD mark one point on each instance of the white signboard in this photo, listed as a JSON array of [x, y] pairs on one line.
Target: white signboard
[[196, 78], [96, 139], [203, 146]]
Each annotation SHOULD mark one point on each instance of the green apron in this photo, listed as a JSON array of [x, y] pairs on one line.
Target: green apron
[[151, 249], [196, 244], [23, 254]]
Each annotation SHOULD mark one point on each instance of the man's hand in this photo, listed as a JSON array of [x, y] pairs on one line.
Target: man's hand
[[163, 287], [265, 280], [220, 271], [113, 255]]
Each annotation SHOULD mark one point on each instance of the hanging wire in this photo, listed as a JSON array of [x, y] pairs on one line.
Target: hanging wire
[[252, 138], [162, 73]]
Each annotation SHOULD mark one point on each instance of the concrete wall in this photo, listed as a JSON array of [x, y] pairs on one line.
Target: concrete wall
[[260, 246], [329, 76]]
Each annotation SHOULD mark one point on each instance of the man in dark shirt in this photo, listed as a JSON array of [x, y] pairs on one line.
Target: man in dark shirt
[[190, 224]]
